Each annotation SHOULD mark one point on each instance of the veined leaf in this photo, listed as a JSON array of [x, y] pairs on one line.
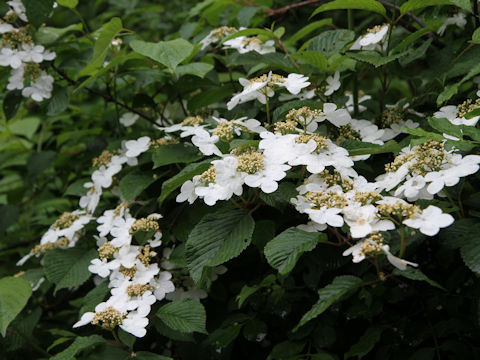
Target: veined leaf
[[38, 11], [250, 32], [168, 53], [175, 153], [80, 343], [199, 69], [283, 251], [416, 274], [217, 238], [374, 58], [445, 126], [411, 5], [370, 5], [307, 30], [185, 315], [331, 41], [14, 294], [134, 183], [330, 294]]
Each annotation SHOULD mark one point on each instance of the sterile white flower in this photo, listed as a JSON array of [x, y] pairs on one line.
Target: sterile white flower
[[333, 83], [128, 119], [206, 142], [136, 147], [430, 220]]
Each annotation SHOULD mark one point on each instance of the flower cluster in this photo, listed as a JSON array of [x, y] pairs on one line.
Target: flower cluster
[[23, 56]]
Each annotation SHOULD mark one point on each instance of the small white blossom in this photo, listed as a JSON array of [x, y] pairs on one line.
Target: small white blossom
[[430, 220]]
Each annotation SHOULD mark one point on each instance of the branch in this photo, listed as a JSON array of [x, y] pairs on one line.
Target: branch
[[106, 97], [271, 12]]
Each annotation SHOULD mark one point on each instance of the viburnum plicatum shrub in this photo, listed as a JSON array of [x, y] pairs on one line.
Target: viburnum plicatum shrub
[[240, 179]]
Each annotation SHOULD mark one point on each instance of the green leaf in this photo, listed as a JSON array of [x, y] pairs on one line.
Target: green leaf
[[341, 286], [14, 294], [8, 216], [68, 267], [59, 101], [11, 103], [94, 297], [313, 58], [473, 113], [47, 35], [331, 41], [374, 58], [415, 54], [300, 34], [470, 252], [249, 290], [185, 174], [363, 148], [210, 96], [80, 343], [365, 344], [174, 154], [250, 32], [25, 127], [410, 39], [134, 183], [185, 315], [38, 162], [411, 5], [217, 238], [72, 4], [168, 53], [424, 134], [100, 49], [222, 337], [283, 251], [198, 69], [370, 5], [445, 126], [416, 274], [476, 36], [38, 11]]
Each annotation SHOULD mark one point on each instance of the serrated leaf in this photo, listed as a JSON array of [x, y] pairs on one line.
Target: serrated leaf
[[410, 39], [314, 58], [168, 53], [418, 275], [25, 127], [100, 49], [198, 69], [364, 148], [14, 294], [330, 294], [424, 134], [331, 41], [249, 290], [80, 343], [47, 35], [11, 103], [217, 238], [134, 183], [38, 11], [283, 251], [416, 53], [68, 267], [59, 101], [307, 30], [411, 5], [174, 154], [374, 58], [185, 174], [445, 126], [370, 5], [470, 252], [185, 315], [476, 36], [365, 344], [94, 297]]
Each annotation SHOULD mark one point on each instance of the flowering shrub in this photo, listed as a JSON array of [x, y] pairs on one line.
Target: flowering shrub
[[226, 179]]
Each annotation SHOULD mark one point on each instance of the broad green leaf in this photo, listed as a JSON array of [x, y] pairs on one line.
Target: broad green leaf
[[445, 126], [134, 183], [185, 174], [14, 294], [470, 252], [217, 238], [313, 58], [410, 39], [300, 34], [80, 343], [341, 286], [47, 35], [59, 101], [245, 15], [476, 36], [363, 148], [447, 93], [250, 32], [418, 275], [283, 251], [210, 96], [68, 267], [287, 350], [411, 5], [185, 315], [249, 290], [416, 53], [11, 103], [424, 134], [175, 153], [100, 49], [38, 11], [168, 53], [373, 57], [222, 337], [25, 127], [94, 297], [8, 216], [472, 114], [365, 344], [72, 4], [370, 5], [39, 162], [199, 69], [331, 41]]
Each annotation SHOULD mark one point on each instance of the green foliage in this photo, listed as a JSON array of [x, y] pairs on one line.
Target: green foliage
[[185, 315], [14, 294], [168, 53], [370, 5]]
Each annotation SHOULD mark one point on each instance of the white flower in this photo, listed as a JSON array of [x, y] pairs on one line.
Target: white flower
[[121, 231], [349, 104], [136, 147], [103, 176], [312, 226], [430, 220], [19, 9], [450, 112], [294, 83], [35, 53], [252, 90], [206, 142], [40, 89], [397, 128], [413, 189], [91, 199], [162, 285], [457, 19], [324, 215], [245, 44], [4, 28], [128, 119], [187, 192], [10, 57], [15, 81], [363, 220], [333, 83], [267, 178], [371, 39], [337, 117]]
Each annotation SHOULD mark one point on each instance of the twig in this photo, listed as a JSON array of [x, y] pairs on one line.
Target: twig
[[106, 97], [280, 43], [271, 12]]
